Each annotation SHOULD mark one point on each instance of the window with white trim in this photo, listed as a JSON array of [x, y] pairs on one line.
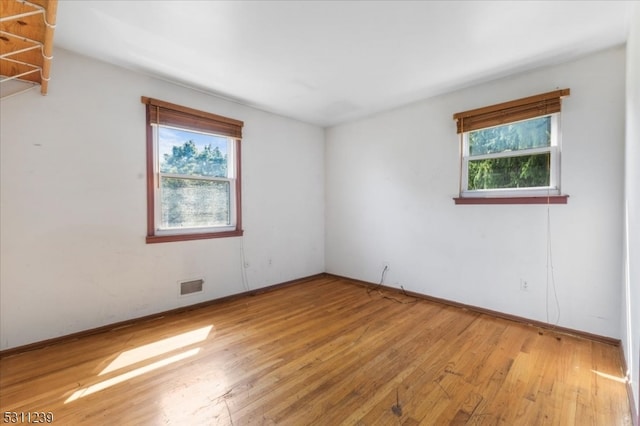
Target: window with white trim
[[511, 150], [193, 176]]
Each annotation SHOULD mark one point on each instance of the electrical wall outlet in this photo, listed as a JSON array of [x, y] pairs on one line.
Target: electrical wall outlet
[[385, 266]]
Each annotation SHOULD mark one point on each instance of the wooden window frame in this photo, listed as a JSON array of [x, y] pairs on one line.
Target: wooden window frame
[[544, 104], [165, 113]]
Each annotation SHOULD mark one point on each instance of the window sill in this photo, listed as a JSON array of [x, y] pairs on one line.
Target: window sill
[[552, 199], [152, 239]]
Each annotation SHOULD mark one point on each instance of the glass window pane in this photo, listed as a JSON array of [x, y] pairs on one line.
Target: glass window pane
[[535, 133], [525, 171], [191, 202], [192, 153]]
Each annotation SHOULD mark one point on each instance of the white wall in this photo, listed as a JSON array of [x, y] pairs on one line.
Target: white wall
[[74, 205], [390, 180], [630, 308]]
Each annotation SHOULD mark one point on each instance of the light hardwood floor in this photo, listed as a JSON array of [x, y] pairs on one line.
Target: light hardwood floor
[[324, 352]]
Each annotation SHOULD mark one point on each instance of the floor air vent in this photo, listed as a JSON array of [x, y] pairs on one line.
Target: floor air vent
[[188, 287]]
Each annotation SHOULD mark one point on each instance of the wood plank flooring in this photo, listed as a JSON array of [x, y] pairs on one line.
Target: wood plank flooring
[[324, 352]]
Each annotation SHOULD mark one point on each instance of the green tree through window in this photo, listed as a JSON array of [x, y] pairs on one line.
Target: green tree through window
[[186, 159], [513, 167], [186, 199]]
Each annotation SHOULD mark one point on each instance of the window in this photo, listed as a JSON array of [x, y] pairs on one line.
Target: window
[[193, 174], [510, 152]]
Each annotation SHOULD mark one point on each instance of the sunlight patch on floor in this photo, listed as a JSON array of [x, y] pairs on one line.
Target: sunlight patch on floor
[[610, 376], [154, 349], [144, 353], [131, 374]]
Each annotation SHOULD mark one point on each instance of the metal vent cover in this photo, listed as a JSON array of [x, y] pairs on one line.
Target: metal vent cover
[[189, 287]]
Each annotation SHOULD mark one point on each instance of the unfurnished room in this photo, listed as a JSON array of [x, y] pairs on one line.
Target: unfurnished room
[[320, 212]]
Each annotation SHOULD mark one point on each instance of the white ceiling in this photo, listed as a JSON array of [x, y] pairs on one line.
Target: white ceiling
[[328, 62]]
